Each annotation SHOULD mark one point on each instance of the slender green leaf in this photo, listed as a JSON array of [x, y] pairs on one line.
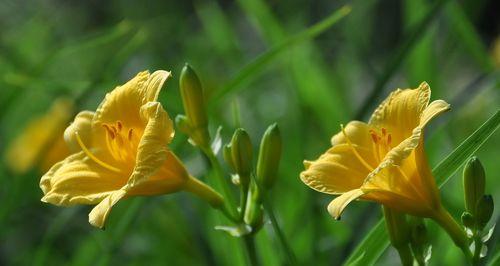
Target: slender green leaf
[[376, 241]]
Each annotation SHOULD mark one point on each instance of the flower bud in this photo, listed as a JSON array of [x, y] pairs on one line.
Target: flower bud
[[484, 210], [182, 124], [269, 156], [474, 183], [226, 153], [253, 211], [194, 106], [467, 220], [241, 153]]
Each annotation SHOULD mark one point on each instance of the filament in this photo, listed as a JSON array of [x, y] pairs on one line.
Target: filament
[[93, 157]]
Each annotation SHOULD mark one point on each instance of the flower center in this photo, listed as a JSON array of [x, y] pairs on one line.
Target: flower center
[[122, 142], [382, 141], [93, 157]]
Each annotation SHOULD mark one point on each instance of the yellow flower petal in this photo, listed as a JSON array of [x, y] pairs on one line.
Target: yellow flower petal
[[400, 112], [79, 180], [99, 214], [82, 124], [171, 177], [124, 102], [152, 152], [340, 170], [337, 206], [57, 151]]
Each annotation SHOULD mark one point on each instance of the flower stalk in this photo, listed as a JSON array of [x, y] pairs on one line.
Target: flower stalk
[[454, 230]]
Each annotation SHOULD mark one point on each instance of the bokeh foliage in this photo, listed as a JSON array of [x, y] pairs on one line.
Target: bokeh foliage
[[82, 49]]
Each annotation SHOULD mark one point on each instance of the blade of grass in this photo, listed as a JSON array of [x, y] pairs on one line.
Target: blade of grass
[[398, 58], [256, 65], [376, 241]]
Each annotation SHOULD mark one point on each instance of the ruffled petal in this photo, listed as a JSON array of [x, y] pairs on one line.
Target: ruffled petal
[[344, 166], [400, 113], [99, 214], [153, 153], [403, 149], [124, 102], [337, 206], [79, 180]]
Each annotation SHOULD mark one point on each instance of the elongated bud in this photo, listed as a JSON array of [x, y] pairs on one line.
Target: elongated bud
[[182, 124], [226, 152], [241, 153], [269, 156], [484, 210], [194, 106], [474, 183], [467, 220], [253, 211]]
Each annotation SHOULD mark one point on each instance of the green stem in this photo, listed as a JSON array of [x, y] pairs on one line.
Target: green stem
[[251, 251], [281, 236], [229, 210], [405, 255], [478, 243], [454, 230]]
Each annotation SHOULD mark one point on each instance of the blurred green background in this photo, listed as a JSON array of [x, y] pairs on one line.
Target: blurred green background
[[309, 86]]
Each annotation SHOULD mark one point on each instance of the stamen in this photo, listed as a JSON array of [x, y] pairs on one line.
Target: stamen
[[119, 125], [130, 134], [374, 136], [384, 131], [368, 166], [389, 138], [110, 132], [93, 157]]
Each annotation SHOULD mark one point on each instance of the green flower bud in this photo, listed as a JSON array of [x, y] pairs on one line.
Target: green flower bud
[[226, 153], [182, 124], [467, 220], [484, 210], [241, 151], [253, 211], [194, 106], [269, 156], [474, 183]]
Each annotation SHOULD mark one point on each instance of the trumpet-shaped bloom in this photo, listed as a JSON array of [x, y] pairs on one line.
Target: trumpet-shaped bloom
[[42, 136], [121, 151], [382, 160]]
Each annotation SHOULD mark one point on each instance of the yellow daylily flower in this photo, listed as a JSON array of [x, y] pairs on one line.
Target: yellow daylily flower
[[382, 160], [42, 136], [121, 152]]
